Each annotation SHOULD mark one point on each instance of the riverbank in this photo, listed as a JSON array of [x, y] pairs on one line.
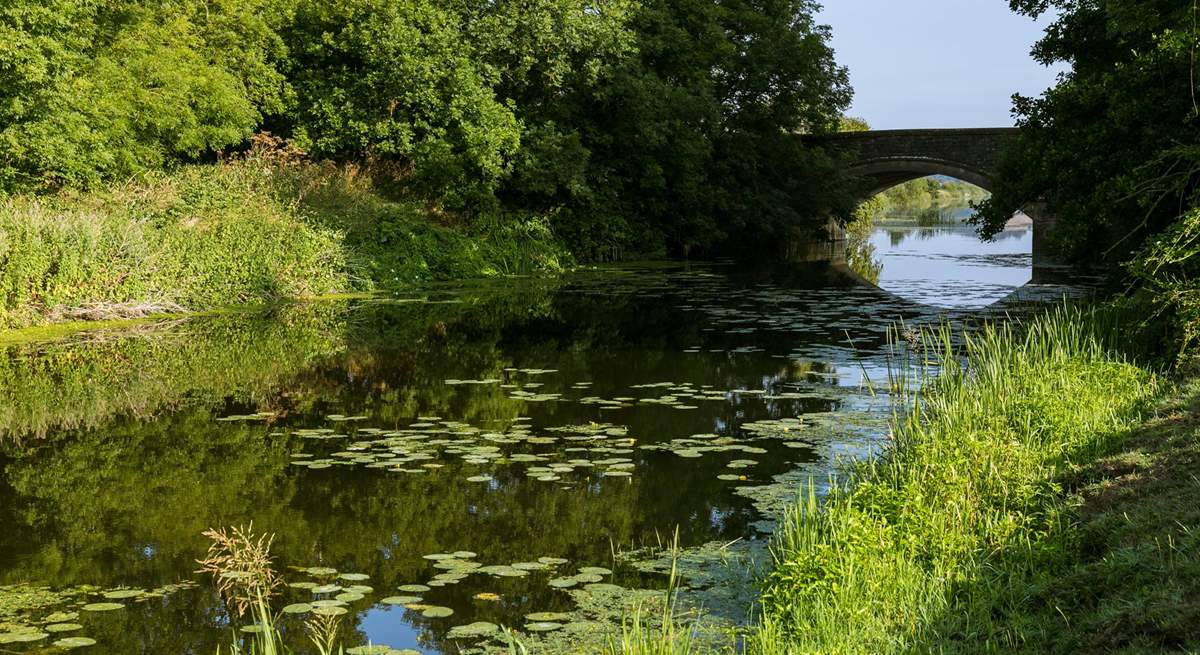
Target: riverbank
[[255, 229], [1035, 500]]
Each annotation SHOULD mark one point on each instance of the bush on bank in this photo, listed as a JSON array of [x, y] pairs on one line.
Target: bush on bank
[[266, 226], [934, 546]]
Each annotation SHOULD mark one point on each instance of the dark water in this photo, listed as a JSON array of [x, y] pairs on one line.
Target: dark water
[[367, 434]]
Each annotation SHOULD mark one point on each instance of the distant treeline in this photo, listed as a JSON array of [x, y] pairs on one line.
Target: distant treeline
[[919, 197], [643, 125]]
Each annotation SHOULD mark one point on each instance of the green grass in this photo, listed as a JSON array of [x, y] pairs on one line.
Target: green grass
[[949, 542], [1133, 583], [267, 226]]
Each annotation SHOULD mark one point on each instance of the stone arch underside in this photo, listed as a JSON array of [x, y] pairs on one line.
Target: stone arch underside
[[884, 174]]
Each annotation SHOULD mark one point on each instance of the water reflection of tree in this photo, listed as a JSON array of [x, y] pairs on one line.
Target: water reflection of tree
[[120, 486], [898, 235], [860, 252]]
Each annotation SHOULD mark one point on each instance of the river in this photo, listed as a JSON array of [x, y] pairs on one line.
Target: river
[[455, 455]]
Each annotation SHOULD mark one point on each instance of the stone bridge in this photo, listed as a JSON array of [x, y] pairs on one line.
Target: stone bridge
[[890, 157], [885, 158]]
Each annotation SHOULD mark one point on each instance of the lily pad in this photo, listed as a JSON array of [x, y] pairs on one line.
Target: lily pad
[[400, 600], [563, 583], [355, 577], [322, 571], [371, 649], [75, 642], [413, 588], [547, 616], [470, 630], [297, 608], [329, 611], [22, 637], [102, 607], [62, 627], [595, 570], [119, 594], [436, 612], [503, 571], [542, 626]]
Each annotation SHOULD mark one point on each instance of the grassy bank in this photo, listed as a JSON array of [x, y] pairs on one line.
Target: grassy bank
[[990, 525], [266, 226]]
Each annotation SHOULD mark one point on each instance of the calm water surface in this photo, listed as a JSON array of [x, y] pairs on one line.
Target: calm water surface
[[948, 265], [492, 424]]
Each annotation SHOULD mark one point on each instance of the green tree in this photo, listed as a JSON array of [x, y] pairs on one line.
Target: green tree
[[397, 80], [550, 60], [690, 141], [1113, 148], [853, 124], [90, 90]]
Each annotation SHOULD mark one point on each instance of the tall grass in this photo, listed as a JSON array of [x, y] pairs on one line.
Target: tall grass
[[928, 547], [263, 226], [643, 633], [200, 238]]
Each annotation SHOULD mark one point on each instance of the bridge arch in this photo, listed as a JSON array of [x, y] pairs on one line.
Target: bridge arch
[[886, 158], [883, 174]]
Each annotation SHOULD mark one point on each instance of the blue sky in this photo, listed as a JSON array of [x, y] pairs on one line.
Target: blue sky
[[935, 63]]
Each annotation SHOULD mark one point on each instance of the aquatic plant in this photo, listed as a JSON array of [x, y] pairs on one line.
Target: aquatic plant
[[323, 632], [240, 563], [670, 634], [241, 566], [252, 229]]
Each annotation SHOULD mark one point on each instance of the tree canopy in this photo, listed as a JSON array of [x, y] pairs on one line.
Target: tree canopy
[[643, 125], [1114, 148], [92, 90]]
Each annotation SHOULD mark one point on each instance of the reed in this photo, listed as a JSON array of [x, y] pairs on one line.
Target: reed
[[926, 548], [667, 634]]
